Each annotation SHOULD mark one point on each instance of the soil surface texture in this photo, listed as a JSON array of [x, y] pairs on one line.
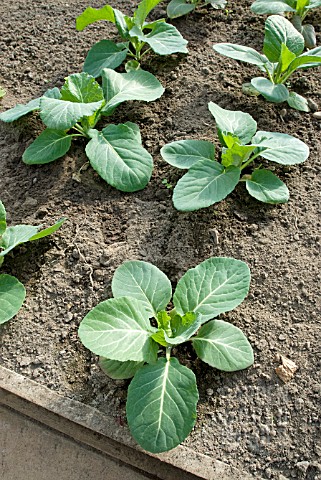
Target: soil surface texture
[[249, 419]]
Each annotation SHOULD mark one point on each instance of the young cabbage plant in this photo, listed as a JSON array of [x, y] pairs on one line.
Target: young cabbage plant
[[12, 292], [208, 181], [178, 8], [138, 37], [297, 8], [162, 397], [116, 152], [283, 47]]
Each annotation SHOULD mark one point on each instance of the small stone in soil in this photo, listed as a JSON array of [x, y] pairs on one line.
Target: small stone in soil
[[317, 115]]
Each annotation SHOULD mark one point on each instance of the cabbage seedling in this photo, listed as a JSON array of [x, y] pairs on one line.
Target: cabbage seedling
[[12, 292], [139, 37], [297, 8], [116, 152], [178, 8], [208, 181], [283, 47], [162, 397]]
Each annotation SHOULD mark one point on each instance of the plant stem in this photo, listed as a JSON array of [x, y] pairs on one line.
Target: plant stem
[[269, 74], [79, 129], [168, 353], [250, 160]]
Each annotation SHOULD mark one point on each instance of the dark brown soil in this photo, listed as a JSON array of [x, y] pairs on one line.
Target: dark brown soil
[[250, 418]]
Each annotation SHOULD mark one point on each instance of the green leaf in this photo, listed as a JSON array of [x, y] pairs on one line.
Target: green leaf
[[272, 92], [306, 61], [161, 405], [3, 219], [81, 88], [135, 85], [48, 231], [143, 9], [216, 3], [15, 235], [215, 286], [118, 156], [182, 332], [236, 154], [20, 110], [267, 187], [50, 145], [239, 124], [281, 148], [62, 115], [119, 370], [132, 65], [239, 52], [145, 282], [123, 24], [164, 39], [104, 54], [286, 57], [178, 8], [2, 92], [119, 329], [279, 30], [92, 15], [205, 183], [12, 296], [185, 153], [314, 4], [309, 35], [298, 102], [262, 7], [223, 346]]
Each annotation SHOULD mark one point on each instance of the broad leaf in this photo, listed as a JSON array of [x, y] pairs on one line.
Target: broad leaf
[[12, 296], [279, 30], [123, 24], [135, 85], [236, 154], [239, 124], [20, 110], [48, 231], [286, 57], [185, 153], [143, 9], [223, 346], [267, 187], [239, 52], [118, 156], [161, 405], [119, 329], [92, 15], [15, 235], [164, 39], [145, 282], [3, 219], [298, 102], [262, 7], [309, 35], [276, 93], [281, 148], [104, 54], [81, 88], [62, 115], [119, 370], [306, 61], [215, 286], [205, 183], [178, 8], [216, 3], [50, 145]]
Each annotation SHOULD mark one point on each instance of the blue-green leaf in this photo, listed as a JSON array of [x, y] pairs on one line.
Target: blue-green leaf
[[272, 92], [267, 187], [281, 148], [62, 115], [161, 405], [81, 88], [239, 124], [178, 8], [185, 153], [215, 286], [12, 296], [50, 145], [239, 52], [205, 183], [164, 39], [104, 54], [119, 370], [278, 31], [298, 102], [270, 7]]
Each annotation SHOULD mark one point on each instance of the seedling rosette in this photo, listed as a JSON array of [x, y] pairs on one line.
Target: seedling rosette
[[178, 8], [282, 56], [162, 397], [209, 181], [116, 152], [12, 292], [138, 37], [297, 9]]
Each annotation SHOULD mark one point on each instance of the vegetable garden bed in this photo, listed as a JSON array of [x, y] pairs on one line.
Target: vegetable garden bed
[[250, 419]]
